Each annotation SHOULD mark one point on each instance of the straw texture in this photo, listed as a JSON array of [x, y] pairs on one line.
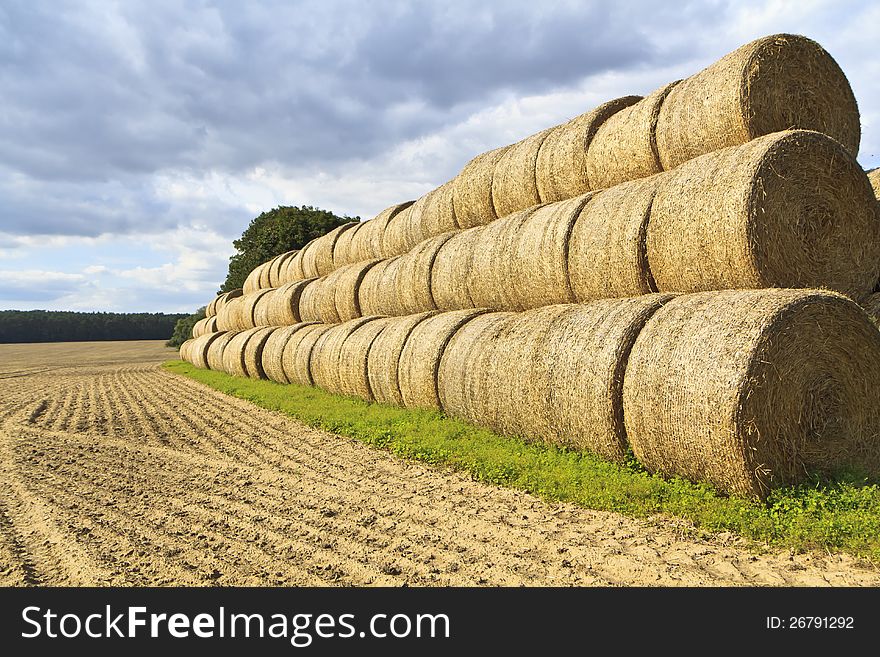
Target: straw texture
[[472, 190], [449, 276], [346, 288], [273, 351], [278, 268], [325, 360], [514, 186], [284, 306], [752, 389], [791, 209], [293, 269], [624, 147], [252, 281], [438, 215], [874, 177], [775, 83], [370, 241], [344, 250], [297, 355], [384, 357], [420, 358], [413, 277], [214, 356], [253, 351], [234, 362], [353, 357], [262, 308], [872, 307], [561, 165], [310, 300]]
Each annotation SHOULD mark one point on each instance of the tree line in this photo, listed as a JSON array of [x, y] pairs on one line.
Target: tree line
[[67, 326]]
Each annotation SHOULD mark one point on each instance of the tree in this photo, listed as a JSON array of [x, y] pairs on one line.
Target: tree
[[184, 327], [274, 232]]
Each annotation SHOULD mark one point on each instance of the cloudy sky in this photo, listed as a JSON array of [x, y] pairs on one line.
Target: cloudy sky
[[138, 139]]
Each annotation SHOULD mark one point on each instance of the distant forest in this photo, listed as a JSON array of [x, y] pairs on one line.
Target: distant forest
[[62, 326]]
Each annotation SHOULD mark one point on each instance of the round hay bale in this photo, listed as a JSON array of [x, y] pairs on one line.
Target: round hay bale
[[792, 209], [223, 299], [308, 262], [253, 351], [277, 268], [264, 275], [326, 300], [378, 293], [227, 316], [606, 252], [752, 389], [252, 281], [370, 240], [561, 164], [514, 185], [211, 326], [343, 250], [384, 357], [438, 215], [293, 268], [211, 308], [325, 362], [872, 306], [247, 310], [775, 83], [214, 356], [284, 307], [353, 356], [537, 268], [462, 374], [489, 278], [413, 278], [625, 147], [472, 190], [420, 358], [234, 353], [324, 247], [262, 308], [297, 355], [184, 350], [874, 177], [273, 351], [399, 236], [198, 350], [199, 328], [449, 276], [310, 300], [346, 289]]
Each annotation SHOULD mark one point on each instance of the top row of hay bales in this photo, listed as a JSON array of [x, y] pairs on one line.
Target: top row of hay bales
[[792, 209], [775, 83], [743, 389]]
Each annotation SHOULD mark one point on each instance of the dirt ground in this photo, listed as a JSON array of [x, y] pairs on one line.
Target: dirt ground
[[115, 471]]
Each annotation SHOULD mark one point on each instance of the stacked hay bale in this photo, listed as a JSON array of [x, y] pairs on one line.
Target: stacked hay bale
[[519, 297]]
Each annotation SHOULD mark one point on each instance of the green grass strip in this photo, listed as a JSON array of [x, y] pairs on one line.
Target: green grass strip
[[839, 515]]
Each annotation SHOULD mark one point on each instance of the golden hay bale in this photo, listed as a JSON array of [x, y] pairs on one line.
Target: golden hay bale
[[284, 307], [297, 355], [751, 389], [384, 357], [514, 186], [776, 83], [343, 250], [184, 350], [227, 316], [253, 351], [273, 351], [214, 357], [606, 251], [420, 358], [369, 243], [223, 299], [872, 306], [310, 300], [211, 326], [625, 147], [246, 315], [791, 209], [325, 360], [489, 283], [401, 234], [262, 308], [537, 261], [438, 215], [325, 299], [377, 294], [211, 308], [264, 275], [874, 177], [199, 328], [561, 165], [347, 286], [293, 268], [198, 350], [353, 357], [318, 260], [252, 282], [461, 375], [413, 278], [278, 267], [472, 190], [449, 277], [234, 353]]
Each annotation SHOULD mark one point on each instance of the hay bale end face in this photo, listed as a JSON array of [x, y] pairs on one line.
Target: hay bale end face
[[791, 210], [273, 351], [420, 358], [607, 255], [252, 281], [297, 354], [413, 277], [514, 186], [262, 308], [325, 359], [472, 190], [438, 216], [198, 350], [346, 289], [293, 268], [253, 351], [754, 389], [234, 353], [625, 147], [284, 308], [310, 300], [214, 356], [384, 357], [263, 283], [278, 267], [874, 177], [776, 83], [449, 276], [353, 358], [561, 165], [343, 250], [370, 242]]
